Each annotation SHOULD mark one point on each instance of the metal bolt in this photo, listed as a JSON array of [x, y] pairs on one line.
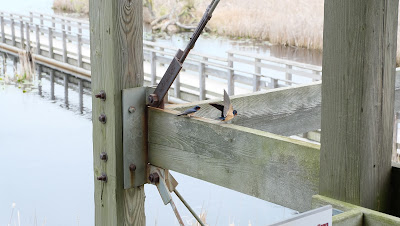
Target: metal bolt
[[104, 156], [103, 177], [131, 109], [154, 178], [132, 167], [101, 95], [153, 98], [103, 118]]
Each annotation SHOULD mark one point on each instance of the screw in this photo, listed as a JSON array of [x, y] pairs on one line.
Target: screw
[[132, 167], [101, 95], [103, 177], [154, 178], [104, 156], [103, 118], [153, 98], [131, 109]]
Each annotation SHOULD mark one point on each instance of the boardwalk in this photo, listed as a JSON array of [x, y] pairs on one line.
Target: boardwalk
[[65, 42]]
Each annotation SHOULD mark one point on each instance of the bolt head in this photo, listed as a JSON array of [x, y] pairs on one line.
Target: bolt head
[[103, 177], [131, 109], [153, 98], [104, 156], [103, 118], [154, 178], [132, 167], [101, 95]]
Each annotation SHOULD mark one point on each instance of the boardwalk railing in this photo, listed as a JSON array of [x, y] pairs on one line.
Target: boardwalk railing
[[67, 40]]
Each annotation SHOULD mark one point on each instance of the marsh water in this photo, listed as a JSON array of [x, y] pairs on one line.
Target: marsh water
[[46, 147]]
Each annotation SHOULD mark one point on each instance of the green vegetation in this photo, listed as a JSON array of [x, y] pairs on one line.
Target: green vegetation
[[78, 6]]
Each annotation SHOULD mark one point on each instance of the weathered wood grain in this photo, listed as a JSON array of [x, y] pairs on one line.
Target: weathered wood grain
[[284, 111], [358, 101], [271, 167], [117, 63]]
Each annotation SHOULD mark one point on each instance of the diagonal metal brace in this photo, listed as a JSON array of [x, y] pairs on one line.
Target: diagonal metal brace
[[167, 184]]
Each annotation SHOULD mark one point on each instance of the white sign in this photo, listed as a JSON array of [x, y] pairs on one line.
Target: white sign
[[317, 217]]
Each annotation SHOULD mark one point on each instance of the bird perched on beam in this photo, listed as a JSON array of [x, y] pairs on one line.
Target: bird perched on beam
[[227, 112], [190, 112]]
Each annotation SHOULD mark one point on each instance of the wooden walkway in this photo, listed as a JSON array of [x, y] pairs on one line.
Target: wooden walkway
[[67, 41]]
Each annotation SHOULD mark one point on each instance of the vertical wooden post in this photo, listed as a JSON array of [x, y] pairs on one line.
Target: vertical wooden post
[[153, 68], [230, 79], [37, 32], [317, 73], [21, 30], [256, 78], [53, 22], [15, 64], [64, 46], [358, 101], [39, 68], [273, 84], [3, 35], [80, 88], [12, 30], [4, 63], [177, 87], [79, 46], [79, 28], [51, 53], [116, 40], [202, 80], [288, 75], [28, 36], [66, 89], [52, 84], [31, 17]]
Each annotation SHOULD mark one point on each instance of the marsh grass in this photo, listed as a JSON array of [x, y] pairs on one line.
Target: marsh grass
[[78, 6]]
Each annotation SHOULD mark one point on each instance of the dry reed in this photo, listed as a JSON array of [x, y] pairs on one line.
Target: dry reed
[[78, 6]]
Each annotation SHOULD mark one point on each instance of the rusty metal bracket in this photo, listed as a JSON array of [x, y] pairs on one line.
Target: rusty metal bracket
[[134, 135]]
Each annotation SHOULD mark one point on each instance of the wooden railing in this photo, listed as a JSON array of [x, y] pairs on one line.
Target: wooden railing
[[67, 40]]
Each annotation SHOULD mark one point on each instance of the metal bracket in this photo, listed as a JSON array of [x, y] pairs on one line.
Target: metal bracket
[[134, 119]]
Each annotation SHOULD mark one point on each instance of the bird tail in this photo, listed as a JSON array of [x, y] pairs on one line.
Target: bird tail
[[179, 114]]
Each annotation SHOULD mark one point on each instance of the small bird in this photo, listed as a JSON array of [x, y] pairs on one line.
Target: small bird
[[190, 112], [227, 112]]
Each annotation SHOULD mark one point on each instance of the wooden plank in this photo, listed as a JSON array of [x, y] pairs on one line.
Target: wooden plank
[[271, 167], [116, 31], [284, 111], [256, 79], [358, 101], [64, 47], [50, 35], [230, 79], [202, 81], [66, 89], [3, 37], [79, 50], [52, 96], [28, 36], [369, 218], [348, 218]]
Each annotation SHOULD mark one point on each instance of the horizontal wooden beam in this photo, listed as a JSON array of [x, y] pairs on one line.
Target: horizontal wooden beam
[[270, 167], [284, 111]]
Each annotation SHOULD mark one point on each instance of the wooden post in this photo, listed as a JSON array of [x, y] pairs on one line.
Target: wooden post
[[39, 68], [116, 40], [52, 84], [177, 87], [53, 22], [153, 72], [288, 75], [21, 30], [80, 88], [64, 46], [274, 83], [358, 101], [37, 32], [256, 78], [230, 79], [3, 37], [79, 46], [28, 36], [31, 17], [79, 28], [12, 30], [202, 80], [51, 53], [66, 89]]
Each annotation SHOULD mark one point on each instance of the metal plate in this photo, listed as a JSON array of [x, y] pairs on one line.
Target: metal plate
[[134, 136]]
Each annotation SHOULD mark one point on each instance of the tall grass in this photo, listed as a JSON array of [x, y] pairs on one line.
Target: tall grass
[[78, 6]]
